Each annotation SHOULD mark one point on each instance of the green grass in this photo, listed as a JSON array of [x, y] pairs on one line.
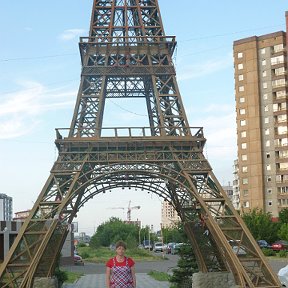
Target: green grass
[[72, 276], [159, 276], [101, 255]]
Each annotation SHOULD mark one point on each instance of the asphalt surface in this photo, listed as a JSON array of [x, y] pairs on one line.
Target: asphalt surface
[[94, 274]]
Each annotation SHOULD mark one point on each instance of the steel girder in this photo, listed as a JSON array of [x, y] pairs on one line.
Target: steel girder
[[175, 170], [127, 55]]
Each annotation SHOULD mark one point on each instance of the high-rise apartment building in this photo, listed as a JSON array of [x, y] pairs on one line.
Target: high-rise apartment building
[[6, 211], [169, 216], [262, 134]]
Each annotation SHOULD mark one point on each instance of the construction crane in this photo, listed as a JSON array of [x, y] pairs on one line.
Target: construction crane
[[129, 209]]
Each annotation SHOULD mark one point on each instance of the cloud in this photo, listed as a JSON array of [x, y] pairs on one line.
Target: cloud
[[71, 34], [20, 112], [205, 68]]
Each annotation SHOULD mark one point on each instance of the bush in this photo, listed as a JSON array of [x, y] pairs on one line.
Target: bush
[[268, 252], [61, 276], [282, 254], [85, 255]]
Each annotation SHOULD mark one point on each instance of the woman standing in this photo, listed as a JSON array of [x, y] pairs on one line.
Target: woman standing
[[120, 270]]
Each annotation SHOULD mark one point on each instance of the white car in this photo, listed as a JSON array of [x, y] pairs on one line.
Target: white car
[[158, 247], [283, 276]]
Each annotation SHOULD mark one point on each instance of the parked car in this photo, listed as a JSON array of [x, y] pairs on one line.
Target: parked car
[[280, 245], [78, 260], [283, 276], [237, 248], [147, 244], [263, 244], [158, 247]]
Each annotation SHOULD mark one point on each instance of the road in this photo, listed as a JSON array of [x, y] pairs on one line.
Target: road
[[141, 267]]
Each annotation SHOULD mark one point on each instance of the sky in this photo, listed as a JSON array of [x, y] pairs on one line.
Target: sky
[[40, 76]]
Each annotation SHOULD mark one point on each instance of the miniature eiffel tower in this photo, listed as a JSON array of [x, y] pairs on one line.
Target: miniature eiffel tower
[[128, 55]]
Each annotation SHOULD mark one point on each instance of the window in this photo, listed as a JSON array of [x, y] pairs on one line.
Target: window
[[264, 73], [282, 130], [267, 155], [278, 48], [242, 100], [244, 157], [283, 166], [263, 62], [268, 178], [242, 122], [268, 167], [266, 108], [270, 203], [278, 83], [266, 120], [246, 204], [279, 71], [241, 77], [277, 60], [279, 106], [240, 55], [240, 66], [242, 111], [244, 145], [241, 88], [263, 50], [243, 134], [265, 85], [265, 96], [245, 192], [267, 131], [280, 94], [269, 191], [282, 118], [244, 169], [267, 143], [245, 181]]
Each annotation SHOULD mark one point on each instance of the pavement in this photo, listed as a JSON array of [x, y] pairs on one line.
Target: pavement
[[94, 274], [98, 281]]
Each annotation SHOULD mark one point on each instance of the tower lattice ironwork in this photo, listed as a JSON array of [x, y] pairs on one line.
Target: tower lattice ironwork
[[128, 55]]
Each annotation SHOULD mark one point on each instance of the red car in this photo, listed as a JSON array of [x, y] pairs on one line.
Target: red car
[[280, 245]]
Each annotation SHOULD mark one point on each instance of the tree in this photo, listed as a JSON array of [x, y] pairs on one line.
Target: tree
[[283, 232], [186, 266], [283, 215], [260, 225], [112, 231], [172, 234]]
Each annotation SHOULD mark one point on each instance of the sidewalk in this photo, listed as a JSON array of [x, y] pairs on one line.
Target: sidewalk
[[98, 281]]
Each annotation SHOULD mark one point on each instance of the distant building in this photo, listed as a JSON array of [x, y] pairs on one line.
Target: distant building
[[8, 233], [228, 189], [261, 89], [21, 215], [169, 216], [6, 212], [236, 193]]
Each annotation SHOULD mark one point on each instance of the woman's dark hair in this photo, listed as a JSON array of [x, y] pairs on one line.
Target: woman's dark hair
[[122, 244]]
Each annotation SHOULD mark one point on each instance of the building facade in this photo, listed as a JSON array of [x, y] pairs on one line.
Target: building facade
[[236, 192], [262, 136], [169, 216], [6, 211]]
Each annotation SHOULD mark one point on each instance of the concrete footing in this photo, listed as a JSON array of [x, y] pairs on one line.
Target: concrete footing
[[213, 280], [45, 283]]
